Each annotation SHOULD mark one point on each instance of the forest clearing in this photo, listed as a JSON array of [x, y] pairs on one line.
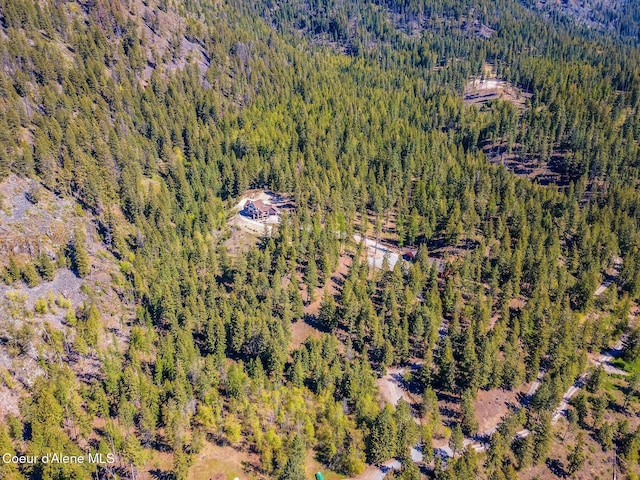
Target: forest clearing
[[480, 91]]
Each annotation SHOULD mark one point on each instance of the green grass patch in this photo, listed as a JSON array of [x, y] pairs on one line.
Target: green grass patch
[[629, 367]]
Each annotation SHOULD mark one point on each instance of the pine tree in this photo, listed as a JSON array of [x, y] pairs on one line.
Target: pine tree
[[469, 424], [30, 275], [407, 429], [45, 267], [294, 468], [579, 402], [542, 437], [594, 383], [382, 441], [13, 270], [446, 367], [456, 442], [328, 315], [577, 456], [80, 257], [524, 452], [598, 409], [468, 366], [410, 471], [311, 279], [429, 407], [425, 373], [497, 451], [605, 436]]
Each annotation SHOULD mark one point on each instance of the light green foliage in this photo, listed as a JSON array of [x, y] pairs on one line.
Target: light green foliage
[[41, 306], [232, 429], [577, 456], [30, 275], [79, 256]]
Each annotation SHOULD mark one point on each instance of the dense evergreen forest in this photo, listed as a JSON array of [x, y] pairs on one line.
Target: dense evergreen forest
[[155, 116]]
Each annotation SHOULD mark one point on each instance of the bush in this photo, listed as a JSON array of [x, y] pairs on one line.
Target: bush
[[41, 306]]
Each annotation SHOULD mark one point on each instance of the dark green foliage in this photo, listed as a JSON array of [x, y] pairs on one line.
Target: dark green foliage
[[523, 449], [410, 471], [382, 441], [407, 429], [469, 424], [328, 312], [446, 367], [467, 466], [542, 437], [595, 380], [46, 268], [456, 440], [582, 410]]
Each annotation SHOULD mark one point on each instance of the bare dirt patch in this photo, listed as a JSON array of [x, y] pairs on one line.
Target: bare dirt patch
[[300, 332], [160, 463], [480, 91], [240, 240], [27, 227], [392, 388], [33, 221], [307, 328], [493, 405], [224, 462], [529, 166]]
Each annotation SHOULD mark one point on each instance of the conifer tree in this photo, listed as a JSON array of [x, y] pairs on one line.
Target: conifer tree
[[294, 468], [80, 257], [469, 424], [328, 314], [30, 275], [576, 456], [382, 441], [456, 442], [446, 366], [45, 267]]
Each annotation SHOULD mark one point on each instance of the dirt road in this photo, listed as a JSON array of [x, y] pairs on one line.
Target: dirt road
[[393, 391]]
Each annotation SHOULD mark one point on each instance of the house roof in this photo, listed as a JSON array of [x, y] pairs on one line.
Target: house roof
[[261, 206]]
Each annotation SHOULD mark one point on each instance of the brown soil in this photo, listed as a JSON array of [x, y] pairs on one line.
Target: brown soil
[[303, 329], [240, 241], [300, 332], [392, 389], [528, 166], [493, 405], [480, 91], [226, 463]]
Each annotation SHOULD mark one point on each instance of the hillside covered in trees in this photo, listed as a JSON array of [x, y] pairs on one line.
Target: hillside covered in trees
[[129, 130]]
